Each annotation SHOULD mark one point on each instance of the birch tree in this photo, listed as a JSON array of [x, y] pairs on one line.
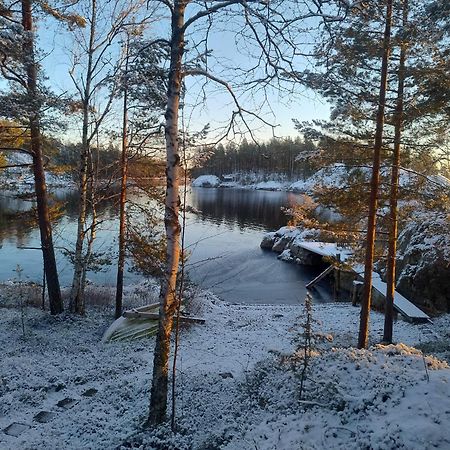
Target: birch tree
[[272, 34]]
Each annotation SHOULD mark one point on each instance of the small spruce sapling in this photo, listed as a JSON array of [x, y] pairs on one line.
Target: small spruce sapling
[[305, 347], [307, 343]]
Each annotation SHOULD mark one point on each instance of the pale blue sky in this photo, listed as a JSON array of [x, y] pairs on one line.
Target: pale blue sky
[[280, 108]]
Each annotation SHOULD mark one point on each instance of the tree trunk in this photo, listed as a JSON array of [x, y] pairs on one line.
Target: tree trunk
[[393, 220], [123, 193], [91, 233], [159, 389], [45, 228], [77, 291], [374, 185]]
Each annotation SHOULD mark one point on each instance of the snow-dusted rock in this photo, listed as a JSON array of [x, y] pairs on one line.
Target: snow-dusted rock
[[206, 181], [285, 255], [21, 179], [283, 237], [270, 186], [268, 240], [424, 259]]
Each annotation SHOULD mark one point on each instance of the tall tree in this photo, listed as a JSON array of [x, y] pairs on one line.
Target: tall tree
[[96, 65], [394, 188], [363, 337], [274, 56], [142, 106], [25, 103], [352, 65], [123, 188]]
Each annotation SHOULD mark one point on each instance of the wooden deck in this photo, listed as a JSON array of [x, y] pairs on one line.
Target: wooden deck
[[407, 309]]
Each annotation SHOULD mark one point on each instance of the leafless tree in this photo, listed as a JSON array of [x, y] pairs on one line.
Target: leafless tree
[[96, 63], [271, 36]]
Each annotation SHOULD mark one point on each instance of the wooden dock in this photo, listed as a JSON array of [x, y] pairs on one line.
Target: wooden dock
[[337, 253]]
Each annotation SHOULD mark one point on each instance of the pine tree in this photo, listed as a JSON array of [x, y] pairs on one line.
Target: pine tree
[[25, 103]]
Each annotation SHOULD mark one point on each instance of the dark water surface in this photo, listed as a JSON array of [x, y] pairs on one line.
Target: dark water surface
[[222, 237]]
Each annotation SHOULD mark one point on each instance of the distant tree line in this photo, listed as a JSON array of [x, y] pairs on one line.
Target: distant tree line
[[276, 156]]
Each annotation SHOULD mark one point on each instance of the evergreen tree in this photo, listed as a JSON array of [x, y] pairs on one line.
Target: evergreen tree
[[25, 103]]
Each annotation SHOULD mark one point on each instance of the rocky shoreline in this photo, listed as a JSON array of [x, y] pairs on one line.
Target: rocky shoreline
[[422, 263]]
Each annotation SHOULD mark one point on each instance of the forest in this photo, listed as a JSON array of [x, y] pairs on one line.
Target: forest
[[154, 155]]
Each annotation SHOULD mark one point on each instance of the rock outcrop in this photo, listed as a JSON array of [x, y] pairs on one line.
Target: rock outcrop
[[206, 181], [285, 242], [423, 265]]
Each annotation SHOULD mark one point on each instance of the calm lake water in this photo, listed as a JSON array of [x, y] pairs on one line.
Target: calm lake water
[[223, 239]]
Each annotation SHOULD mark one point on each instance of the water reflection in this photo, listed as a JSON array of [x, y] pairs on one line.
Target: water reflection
[[16, 214], [243, 207], [223, 239]]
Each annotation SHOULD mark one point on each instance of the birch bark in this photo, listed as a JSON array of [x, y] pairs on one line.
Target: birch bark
[[77, 303], [159, 389]]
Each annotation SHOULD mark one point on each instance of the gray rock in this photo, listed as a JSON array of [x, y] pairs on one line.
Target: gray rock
[[281, 244], [268, 241], [423, 263]]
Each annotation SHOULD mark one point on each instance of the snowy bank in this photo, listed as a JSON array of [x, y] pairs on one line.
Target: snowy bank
[[238, 383], [206, 181], [337, 176], [20, 180]]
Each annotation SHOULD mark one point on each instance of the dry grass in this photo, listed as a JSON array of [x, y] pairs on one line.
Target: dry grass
[[13, 294]]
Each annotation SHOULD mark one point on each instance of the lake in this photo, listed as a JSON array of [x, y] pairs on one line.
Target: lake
[[222, 236]]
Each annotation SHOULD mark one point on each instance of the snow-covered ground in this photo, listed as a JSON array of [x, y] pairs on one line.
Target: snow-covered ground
[[335, 176], [20, 180], [238, 382], [206, 181]]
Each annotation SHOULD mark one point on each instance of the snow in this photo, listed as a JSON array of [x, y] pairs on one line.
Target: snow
[[237, 382], [337, 175], [401, 304], [441, 180], [270, 186], [206, 181], [329, 249], [20, 180]]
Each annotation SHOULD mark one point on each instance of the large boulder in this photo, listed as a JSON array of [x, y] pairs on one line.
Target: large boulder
[[423, 265], [268, 240], [206, 181], [283, 238]]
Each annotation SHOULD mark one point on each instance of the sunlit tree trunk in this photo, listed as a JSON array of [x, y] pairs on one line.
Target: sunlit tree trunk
[[77, 291], [159, 389], [123, 193], [374, 185], [393, 198], [51, 273]]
